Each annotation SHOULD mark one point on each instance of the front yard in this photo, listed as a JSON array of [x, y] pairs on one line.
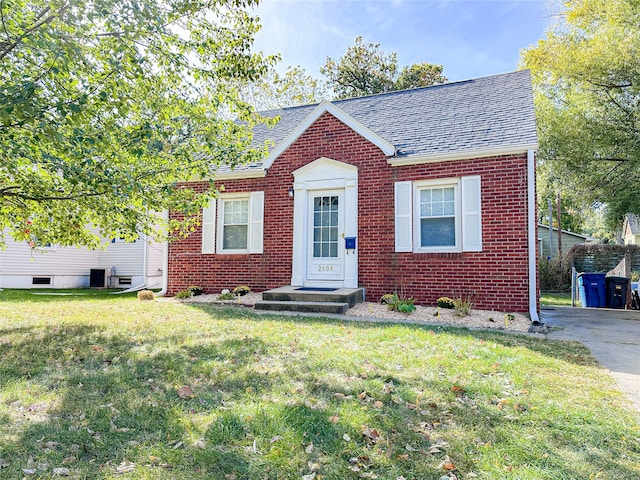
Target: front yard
[[111, 387]]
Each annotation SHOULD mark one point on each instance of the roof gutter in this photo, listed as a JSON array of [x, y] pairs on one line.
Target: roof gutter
[[532, 223], [461, 155]]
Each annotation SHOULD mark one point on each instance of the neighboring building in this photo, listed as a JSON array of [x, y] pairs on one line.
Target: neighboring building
[[631, 229], [120, 265], [428, 192], [569, 239]]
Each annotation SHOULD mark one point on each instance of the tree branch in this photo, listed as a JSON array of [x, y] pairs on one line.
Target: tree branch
[[9, 46]]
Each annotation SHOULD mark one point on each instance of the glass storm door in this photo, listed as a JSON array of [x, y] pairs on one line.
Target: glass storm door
[[326, 236]]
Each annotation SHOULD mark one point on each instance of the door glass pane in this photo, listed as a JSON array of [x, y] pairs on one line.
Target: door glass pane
[[325, 227]]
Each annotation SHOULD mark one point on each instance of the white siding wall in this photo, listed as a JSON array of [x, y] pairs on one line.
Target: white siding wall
[[69, 267]]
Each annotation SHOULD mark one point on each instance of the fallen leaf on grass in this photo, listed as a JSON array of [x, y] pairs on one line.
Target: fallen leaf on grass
[[3, 463], [458, 390], [309, 476], [275, 439], [62, 472], [185, 392], [346, 438], [125, 467], [362, 396], [378, 404], [371, 434], [409, 448], [309, 448], [334, 419], [447, 464]]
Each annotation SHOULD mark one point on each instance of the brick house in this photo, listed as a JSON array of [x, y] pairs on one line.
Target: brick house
[[429, 192]]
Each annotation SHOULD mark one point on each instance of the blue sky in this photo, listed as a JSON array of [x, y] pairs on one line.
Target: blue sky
[[470, 38]]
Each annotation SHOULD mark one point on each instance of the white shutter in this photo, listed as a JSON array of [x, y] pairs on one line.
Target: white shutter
[[471, 215], [256, 222], [209, 227], [403, 216]]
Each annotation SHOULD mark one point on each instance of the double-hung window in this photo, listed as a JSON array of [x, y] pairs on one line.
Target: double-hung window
[[233, 224], [438, 216]]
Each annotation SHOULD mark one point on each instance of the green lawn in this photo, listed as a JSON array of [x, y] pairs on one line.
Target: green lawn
[[111, 387], [562, 299]]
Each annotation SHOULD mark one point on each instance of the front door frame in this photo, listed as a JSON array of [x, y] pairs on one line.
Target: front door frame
[[324, 174], [327, 268]]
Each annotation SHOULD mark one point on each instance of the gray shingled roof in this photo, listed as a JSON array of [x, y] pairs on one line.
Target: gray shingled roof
[[471, 115], [634, 223]]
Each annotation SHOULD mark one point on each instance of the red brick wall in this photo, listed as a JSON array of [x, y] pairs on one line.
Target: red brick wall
[[497, 277]]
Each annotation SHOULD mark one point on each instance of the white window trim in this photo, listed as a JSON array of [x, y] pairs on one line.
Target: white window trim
[[212, 226], [439, 183], [468, 214], [220, 225]]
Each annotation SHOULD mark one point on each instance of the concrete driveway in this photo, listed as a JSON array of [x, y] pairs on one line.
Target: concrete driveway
[[613, 336]]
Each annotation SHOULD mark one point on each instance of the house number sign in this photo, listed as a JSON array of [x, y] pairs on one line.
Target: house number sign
[[325, 268]]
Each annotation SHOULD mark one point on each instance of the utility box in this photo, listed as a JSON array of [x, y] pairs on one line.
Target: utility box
[[97, 278]]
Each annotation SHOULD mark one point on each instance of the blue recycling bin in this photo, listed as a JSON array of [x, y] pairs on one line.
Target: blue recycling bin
[[591, 287]]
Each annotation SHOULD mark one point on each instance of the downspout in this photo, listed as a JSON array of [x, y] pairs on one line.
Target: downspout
[[533, 278], [143, 285], [165, 261]]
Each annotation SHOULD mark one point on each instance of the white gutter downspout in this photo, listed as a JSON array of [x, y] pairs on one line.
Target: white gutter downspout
[[143, 285], [165, 266], [165, 261], [531, 196]]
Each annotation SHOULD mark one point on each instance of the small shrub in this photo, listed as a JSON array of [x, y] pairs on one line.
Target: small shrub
[[635, 276], [241, 290], [508, 318], [387, 298], [146, 295], [446, 302], [463, 305], [195, 290], [555, 274], [182, 294], [226, 295], [400, 303]]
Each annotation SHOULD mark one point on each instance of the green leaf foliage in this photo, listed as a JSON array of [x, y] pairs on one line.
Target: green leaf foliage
[[106, 106], [586, 75], [366, 70]]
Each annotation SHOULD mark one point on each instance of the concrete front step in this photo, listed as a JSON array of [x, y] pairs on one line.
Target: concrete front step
[[302, 306], [350, 296]]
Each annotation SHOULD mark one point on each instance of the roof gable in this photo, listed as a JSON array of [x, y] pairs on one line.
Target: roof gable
[[631, 224], [314, 115]]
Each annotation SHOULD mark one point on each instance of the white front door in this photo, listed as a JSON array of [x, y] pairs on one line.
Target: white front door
[[325, 244]]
